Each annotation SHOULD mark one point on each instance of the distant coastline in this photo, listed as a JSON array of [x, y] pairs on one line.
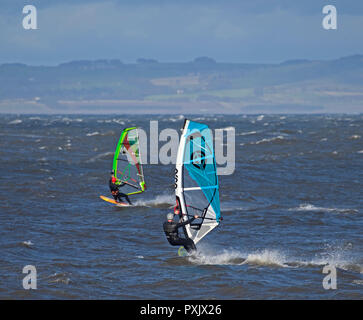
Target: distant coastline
[[199, 86]]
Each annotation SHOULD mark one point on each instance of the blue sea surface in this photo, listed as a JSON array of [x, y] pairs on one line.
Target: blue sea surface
[[293, 205]]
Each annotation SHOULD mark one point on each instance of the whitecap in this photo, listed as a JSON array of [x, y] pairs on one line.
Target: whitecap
[[160, 200], [95, 133], [355, 137], [246, 133], [266, 140], [100, 156], [16, 121], [28, 243], [310, 207], [266, 258]]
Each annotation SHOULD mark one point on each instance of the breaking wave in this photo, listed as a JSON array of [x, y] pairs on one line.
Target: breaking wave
[[101, 156], [96, 133], [161, 201], [266, 257], [16, 121], [339, 257], [246, 133], [310, 207]]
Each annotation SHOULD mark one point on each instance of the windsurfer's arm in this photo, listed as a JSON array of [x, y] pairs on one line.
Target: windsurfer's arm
[[182, 224]]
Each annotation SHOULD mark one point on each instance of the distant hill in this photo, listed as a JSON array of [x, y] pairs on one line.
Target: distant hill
[[306, 85]]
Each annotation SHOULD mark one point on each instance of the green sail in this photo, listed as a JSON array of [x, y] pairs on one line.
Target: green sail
[[127, 162]]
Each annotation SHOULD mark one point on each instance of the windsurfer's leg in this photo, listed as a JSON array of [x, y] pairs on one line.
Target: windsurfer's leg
[[122, 195], [127, 199], [189, 245]]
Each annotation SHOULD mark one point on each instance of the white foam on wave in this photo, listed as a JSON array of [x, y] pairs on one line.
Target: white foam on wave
[[227, 128], [61, 277], [100, 156], [265, 257], [119, 121], [95, 133], [232, 208], [267, 140], [259, 118], [246, 133], [361, 151], [310, 207], [174, 119], [164, 199], [208, 256], [28, 243], [16, 121], [339, 257], [355, 136]]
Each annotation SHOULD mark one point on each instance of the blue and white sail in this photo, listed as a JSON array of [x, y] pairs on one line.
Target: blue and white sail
[[196, 180]]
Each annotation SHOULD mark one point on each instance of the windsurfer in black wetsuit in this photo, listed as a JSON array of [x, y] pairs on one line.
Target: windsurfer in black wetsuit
[[171, 231], [117, 195]]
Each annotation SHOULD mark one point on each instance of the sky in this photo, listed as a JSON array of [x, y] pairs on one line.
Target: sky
[[246, 31]]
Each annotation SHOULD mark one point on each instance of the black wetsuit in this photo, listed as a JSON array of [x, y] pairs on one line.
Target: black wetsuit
[[117, 195], [171, 232]]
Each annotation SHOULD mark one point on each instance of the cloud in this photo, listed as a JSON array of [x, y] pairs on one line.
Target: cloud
[[245, 31]]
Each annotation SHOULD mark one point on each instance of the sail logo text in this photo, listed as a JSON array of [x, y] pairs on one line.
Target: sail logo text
[[152, 152]]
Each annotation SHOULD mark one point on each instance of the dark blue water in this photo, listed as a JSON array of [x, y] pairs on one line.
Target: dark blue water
[[293, 205]]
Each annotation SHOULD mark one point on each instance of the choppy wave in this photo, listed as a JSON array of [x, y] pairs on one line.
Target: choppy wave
[[175, 119], [28, 243], [310, 207], [16, 121], [161, 201], [119, 121], [277, 140], [227, 129], [338, 256], [61, 277], [355, 136], [246, 133], [265, 257], [208, 256], [267, 140], [101, 156], [335, 256], [95, 133]]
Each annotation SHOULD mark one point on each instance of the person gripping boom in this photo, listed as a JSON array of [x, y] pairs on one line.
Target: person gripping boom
[[114, 188], [171, 231]]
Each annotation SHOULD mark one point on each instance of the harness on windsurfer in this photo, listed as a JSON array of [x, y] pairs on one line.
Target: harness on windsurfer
[[171, 231], [114, 188]]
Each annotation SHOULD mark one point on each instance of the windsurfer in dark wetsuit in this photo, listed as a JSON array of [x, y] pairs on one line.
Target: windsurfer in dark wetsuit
[[117, 195], [171, 231]]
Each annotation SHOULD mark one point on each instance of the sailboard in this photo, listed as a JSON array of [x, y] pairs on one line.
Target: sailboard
[[196, 181], [117, 203], [127, 164]]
